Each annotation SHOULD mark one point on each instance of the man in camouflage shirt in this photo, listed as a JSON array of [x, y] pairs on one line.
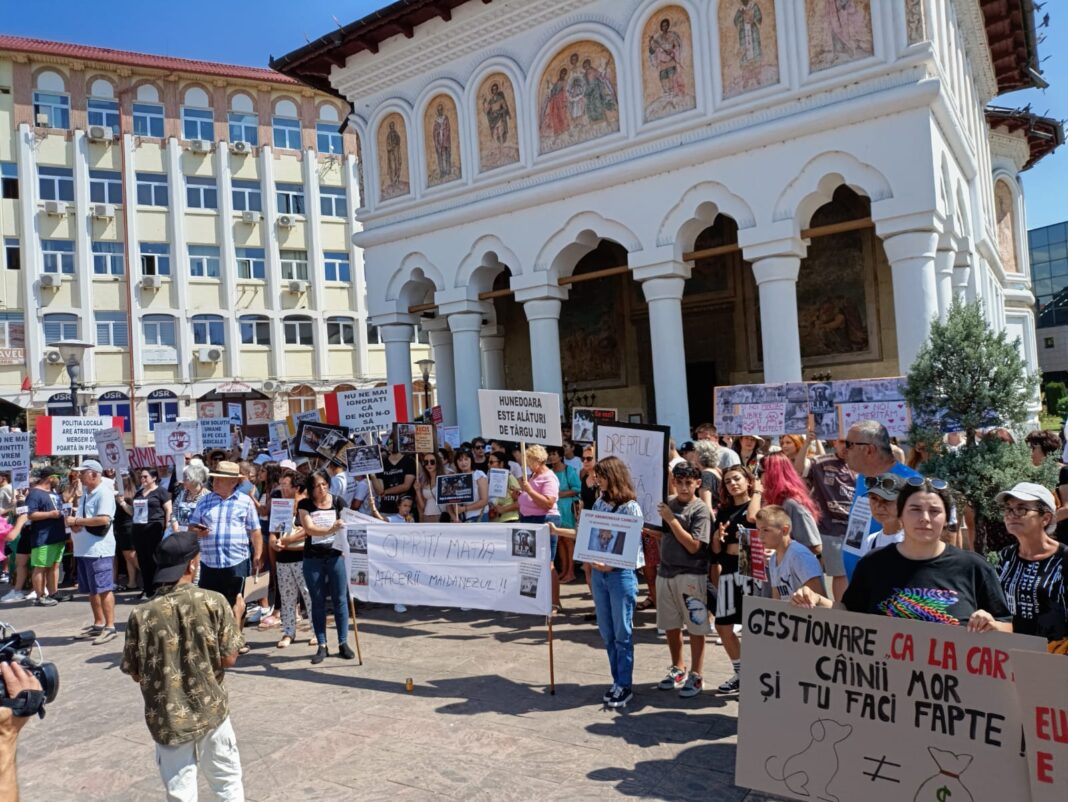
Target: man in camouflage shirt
[[177, 648]]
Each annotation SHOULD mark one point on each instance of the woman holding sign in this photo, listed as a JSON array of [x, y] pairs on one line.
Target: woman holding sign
[[476, 511], [324, 566], [537, 503], [426, 488], [151, 514], [615, 590]]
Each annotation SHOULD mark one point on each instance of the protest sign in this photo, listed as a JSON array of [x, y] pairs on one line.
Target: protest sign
[[15, 450], [320, 440], [364, 460], [502, 567], [233, 412], [281, 520], [1041, 680], [437, 417], [146, 457], [644, 450], [752, 559], [894, 415], [258, 411], [278, 432], [210, 409], [178, 438], [307, 416], [111, 450], [762, 418], [214, 433], [838, 705], [608, 538], [66, 436], [371, 410], [583, 419], [517, 416], [456, 488], [449, 436], [498, 482], [414, 438], [278, 451]]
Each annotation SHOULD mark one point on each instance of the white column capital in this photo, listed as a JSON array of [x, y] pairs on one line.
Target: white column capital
[[672, 268], [776, 268], [396, 333], [460, 322], [928, 220], [757, 244], [542, 309], [909, 245], [434, 324], [664, 289], [492, 342], [537, 285], [393, 319]]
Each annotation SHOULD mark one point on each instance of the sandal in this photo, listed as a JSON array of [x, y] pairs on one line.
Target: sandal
[[270, 622], [286, 640], [645, 604], [245, 649]]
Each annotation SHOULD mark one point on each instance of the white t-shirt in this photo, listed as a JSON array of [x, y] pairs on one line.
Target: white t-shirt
[[728, 458], [799, 565], [574, 462], [92, 504], [880, 540]]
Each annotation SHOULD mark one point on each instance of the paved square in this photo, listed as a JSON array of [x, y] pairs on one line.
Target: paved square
[[479, 724]]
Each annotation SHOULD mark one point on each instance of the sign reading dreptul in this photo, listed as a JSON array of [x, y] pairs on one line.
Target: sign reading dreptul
[[68, 436], [520, 417]]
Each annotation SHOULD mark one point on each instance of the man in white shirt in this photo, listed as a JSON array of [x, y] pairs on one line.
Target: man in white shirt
[[94, 550]]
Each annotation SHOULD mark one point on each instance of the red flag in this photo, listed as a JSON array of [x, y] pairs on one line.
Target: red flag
[[26, 384]]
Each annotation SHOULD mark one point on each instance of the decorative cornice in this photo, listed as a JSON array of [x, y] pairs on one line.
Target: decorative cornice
[[1010, 146], [973, 26]]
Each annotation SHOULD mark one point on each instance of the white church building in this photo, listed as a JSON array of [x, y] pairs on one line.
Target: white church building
[[631, 202]]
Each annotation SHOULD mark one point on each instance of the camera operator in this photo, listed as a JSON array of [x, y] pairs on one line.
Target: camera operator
[[16, 680]]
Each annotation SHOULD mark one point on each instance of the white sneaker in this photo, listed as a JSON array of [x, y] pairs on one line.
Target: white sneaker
[[253, 615], [738, 630], [13, 596], [32, 595], [399, 608]]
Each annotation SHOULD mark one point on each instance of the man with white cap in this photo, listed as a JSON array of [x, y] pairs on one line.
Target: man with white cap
[[94, 550]]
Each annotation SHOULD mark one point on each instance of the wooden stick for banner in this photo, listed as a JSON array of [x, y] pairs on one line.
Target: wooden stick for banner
[[523, 457], [552, 663], [355, 630]]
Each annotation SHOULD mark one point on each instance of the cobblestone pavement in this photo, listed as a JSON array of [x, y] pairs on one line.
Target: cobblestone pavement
[[479, 724]]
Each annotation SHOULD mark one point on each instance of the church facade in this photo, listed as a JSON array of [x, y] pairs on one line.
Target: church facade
[[631, 202]]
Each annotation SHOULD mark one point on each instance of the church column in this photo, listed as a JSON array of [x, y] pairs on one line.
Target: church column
[[397, 338], [444, 368], [912, 257], [543, 315], [466, 328], [493, 358], [776, 279], [945, 259], [962, 275]]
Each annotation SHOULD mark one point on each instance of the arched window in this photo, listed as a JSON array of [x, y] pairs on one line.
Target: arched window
[[115, 404], [302, 399], [59, 404], [209, 330], [102, 105], [60, 327], [51, 103], [285, 125], [147, 112], [198, 121], [340, 331], [244, 125], [162, 408], [327, 130], [298, 330], [255, 330]]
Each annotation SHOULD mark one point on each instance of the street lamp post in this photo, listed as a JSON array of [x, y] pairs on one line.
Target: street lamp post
[[73, 352], [426, 365]]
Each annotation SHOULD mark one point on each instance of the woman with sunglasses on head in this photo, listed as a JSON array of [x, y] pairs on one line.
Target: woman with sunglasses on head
[[475, 511], [923, 578], [1032, 569], [426, 488], [780, 485], [151, 514]]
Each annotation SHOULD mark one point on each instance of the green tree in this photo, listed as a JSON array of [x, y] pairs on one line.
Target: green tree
[[1055, 391]]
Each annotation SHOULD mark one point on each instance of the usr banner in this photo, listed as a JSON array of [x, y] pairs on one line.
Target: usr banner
[[503, 567], [841, 706]]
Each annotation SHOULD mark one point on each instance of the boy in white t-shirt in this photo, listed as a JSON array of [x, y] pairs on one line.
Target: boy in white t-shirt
[[882, 497], [790, 565]]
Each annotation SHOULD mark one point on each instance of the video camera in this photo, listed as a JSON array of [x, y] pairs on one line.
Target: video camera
[[15, 647]]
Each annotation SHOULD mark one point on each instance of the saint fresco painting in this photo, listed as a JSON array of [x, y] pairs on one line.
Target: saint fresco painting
[[577, 98], [441, 141], [1006, 228], [393, 173], [748, 45], [498, 126], [667, 64], [839, 31]]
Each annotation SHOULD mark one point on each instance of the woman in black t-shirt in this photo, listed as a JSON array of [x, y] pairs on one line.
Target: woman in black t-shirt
[[288, 549], [324, 564], [922, 577], [151, 514], [731, 586]]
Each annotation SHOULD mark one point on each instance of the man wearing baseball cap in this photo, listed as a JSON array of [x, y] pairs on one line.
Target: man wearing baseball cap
[[188, 633], [94, 550]]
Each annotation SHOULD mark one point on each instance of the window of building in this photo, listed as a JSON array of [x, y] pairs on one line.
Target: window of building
[[290, 198], [1048, 342], [60, 327], [13, 253], [148, 119], [105, 186], [162, 408], [158, 331], [155, 259], [204, 261], [302, 399], [208, 330], [332, 202], [250, 263], [247, 196], [341, 331], [115, 404], [12, 330], [372, 335], [255, 330], [298, 331], [201, 193], [328, 138], [285, 132], [56, 183], [111, 330], [152, 189], [198, 123], [244, 128], [294, 265], [104, 112], [336, 267], [108, 259], [58, 255], [51, 110], [9, 180]]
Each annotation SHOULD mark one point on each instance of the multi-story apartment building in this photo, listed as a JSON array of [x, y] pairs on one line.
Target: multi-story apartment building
[[194, 220]]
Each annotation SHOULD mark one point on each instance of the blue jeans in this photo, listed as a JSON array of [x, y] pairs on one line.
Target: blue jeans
[[544, 519], [614, 594], [323, 575]]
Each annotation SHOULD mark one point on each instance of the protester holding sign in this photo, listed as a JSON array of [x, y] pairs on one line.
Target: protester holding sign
[[151, 512], [475, 511], [922, 577], [194, 488], [504, 509], [94, 550], [790, 565], [288, 548], [324, 565], [732, 585], [426, 488], [747, 447], [537, 503], [47, 534], [396, 479], [567, 478]]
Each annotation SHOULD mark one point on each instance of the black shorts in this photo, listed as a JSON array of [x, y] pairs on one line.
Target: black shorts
[[230, 581], [124, 538], [25, 544]]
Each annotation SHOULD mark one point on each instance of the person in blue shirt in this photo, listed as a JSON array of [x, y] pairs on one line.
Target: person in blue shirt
[[868, 453]]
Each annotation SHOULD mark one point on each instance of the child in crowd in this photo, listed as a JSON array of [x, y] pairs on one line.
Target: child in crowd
[[883, 491], [790, 565]]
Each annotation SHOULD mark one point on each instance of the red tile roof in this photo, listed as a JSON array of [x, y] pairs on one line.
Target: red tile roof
[[129, 58], [1044, 134]]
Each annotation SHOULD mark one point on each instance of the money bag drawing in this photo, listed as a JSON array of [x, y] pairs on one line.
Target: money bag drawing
[[810, 772], [946, 785]]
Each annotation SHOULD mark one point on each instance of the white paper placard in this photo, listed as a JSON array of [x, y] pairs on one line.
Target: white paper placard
[[282, 510], [1041, 680], [214, 433], [15, 450], [69, 436], [643, 449], [608, 538], [363, 460], [112, 450], [498, 482], [520, 417], [369, 410], [178, 438]]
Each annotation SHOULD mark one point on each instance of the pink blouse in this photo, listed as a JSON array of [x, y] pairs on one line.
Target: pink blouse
[[548, 485]]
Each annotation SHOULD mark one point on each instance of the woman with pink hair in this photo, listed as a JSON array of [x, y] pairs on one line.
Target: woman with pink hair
[[780, 484]]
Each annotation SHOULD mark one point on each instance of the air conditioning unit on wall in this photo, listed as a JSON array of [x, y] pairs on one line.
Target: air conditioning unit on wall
[[250, 216], [200, 146], [100, 133], [286, 221], [52, 357], [240, 148], [296, 286], [209, 354], [151, 282], [51, 280], [103, 211], [271, 386], [56, 208]]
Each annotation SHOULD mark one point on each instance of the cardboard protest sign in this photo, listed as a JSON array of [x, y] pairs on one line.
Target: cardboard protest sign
[[894, 415], [364, 460], [321, 440], [178, 438], [278, 451], [282, 510], [456, 488], [15, 450], [1041, 683], [414, 438], [449, 436], [762, 418], [112, 450], [837, 705], [67, 436], [583, 420], [371, 410], [502, 567], [278, 432], [608, 538], [214, 433], [498, 482], [644, 450], [516, 416]]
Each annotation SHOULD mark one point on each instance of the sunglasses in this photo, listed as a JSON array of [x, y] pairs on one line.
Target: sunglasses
[[587, 459], [430, 462], [927, 483], [1010, 511], [854, 443], [887, 483]]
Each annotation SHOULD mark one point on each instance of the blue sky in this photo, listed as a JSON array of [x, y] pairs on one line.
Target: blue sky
[[273, 27]]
